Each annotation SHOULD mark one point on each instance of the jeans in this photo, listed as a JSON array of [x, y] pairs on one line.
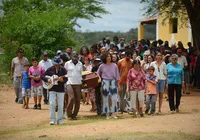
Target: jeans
[[18, 89], [109, 88], [150, 103], [171, 89], [52, 101], [122, 94]]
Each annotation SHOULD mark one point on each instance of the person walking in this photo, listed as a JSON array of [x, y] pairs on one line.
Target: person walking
[[161, 74], [74, 72], [124, 65], [45, 63], [175, 79], [57, 91], [136, 86], [110, 77], [17, 66]]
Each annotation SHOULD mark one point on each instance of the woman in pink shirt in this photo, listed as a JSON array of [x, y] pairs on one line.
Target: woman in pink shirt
[[136, 86]]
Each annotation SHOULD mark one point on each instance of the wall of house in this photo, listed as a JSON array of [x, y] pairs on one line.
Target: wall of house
[[164, 33]]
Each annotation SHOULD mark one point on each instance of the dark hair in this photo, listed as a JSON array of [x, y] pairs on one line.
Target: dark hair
[[20, 50], [104, 57], [151, 68], [26, 65], [69, 48], [128, 52], [34, 59], [152, 57], [160, 42], [84, 47], [116, 56], [136, 62]]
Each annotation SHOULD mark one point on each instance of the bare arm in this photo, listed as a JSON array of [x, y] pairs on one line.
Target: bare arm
[[12, 72]]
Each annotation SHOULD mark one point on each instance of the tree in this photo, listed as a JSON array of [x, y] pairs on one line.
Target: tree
[[40, 25], [179, 8]]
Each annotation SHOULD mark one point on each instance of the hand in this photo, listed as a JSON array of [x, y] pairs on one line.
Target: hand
[[37, 78], [60, 79], [119, 89], [49, 81], [183, 83]]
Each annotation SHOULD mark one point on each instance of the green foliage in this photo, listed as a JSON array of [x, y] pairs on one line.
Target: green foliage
[[39, 25], [94, 37]]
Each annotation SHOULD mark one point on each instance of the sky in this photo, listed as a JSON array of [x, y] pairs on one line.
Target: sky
[[124, 15]]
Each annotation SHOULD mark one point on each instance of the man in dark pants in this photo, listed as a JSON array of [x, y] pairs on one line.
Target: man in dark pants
[[74, 72], [45, 63]]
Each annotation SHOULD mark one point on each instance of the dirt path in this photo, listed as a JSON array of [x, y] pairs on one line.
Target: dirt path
[[18, 123]]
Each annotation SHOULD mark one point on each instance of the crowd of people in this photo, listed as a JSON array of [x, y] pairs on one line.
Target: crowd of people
[[132, 75]]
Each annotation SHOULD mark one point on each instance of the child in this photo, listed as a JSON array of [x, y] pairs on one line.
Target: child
[[35, 72], [151, 91], [26, 86]]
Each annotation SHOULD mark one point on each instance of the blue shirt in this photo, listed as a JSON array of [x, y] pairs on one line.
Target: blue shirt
[[174, 74], [26, 82]]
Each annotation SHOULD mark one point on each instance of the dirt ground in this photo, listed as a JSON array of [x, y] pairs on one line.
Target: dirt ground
[[19, 123]]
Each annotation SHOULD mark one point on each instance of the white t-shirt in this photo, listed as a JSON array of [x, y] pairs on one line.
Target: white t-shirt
[[18, 65], [45, 64], [182, 61], [74, 73], [160, 71]]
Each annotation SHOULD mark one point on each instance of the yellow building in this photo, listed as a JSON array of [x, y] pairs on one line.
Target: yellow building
[[172, 30]]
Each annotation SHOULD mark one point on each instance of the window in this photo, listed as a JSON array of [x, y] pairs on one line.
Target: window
[[173, 25]]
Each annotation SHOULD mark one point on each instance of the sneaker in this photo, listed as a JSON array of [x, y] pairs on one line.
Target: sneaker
[[115, 117], [64, 115], [107, 116], [35, 107], [172, 112], [20, 101], [60, 122], [39, 106], [16, 100], [52, 122]]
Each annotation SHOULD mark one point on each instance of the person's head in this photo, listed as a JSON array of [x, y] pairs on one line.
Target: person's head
[[68, 50], [174, 58], [45, 56], [128, 54], [160, 42], [57, 61], [185, 52], [136, 64], [166, 44], [134, 56], [145, 58], [158, 56], [84, 51], [106, 58], [179, 52], [107, 40], [35, 62], [96, 62], [114, 58], [150, 58], [115, 39], [20, 52], [75, 57], [189, 44], [26, 67], [93, 49], [58, 52], [122, 55], [87, 60], [180, 44], [151, 70], [103, 50]]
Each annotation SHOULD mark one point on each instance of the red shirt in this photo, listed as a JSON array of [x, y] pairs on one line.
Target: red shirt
[[136, 79]]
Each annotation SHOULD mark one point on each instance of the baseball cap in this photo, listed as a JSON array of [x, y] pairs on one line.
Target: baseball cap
[[45, 53], [58, 52]]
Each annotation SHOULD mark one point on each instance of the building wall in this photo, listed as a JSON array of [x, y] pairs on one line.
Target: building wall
[[183, 34]]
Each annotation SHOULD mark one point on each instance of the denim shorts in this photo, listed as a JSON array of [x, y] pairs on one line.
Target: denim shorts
[[160, 86]]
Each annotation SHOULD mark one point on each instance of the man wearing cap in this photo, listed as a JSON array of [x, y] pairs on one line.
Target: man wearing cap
[[74, 72], [121, 45], [107, 43], [17, 65], [45, 63], [57, 91]]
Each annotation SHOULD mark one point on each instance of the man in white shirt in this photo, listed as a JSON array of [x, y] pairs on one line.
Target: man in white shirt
[[17, 66], [45, 63], [74, 73], [181, 59]]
